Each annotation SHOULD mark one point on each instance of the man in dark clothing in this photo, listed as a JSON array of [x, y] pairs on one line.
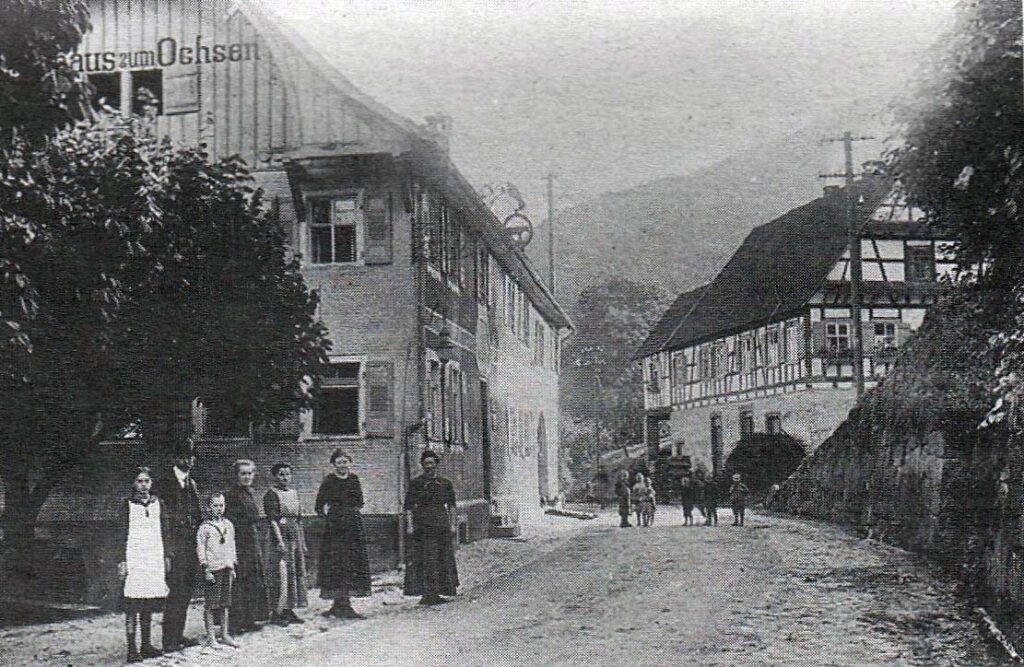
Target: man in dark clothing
[[710, 505], [686, 498], [698, 492], [182, 510]]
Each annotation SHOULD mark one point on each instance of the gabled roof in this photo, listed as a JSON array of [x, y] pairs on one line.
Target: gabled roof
[[775, 271], [662, 331]]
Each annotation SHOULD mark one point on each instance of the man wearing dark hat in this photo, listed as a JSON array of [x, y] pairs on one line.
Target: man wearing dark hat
[[430, 519], [182, 514]]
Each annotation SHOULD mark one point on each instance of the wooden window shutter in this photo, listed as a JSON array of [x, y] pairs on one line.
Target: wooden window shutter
[[379, 406], [377, 215], [181, 90], [817, 338]]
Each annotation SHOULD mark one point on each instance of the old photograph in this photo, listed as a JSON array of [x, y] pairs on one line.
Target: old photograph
[[457, 333]]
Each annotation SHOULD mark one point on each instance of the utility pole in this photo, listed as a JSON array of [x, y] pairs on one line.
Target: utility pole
[[856, 265], [550, 178]]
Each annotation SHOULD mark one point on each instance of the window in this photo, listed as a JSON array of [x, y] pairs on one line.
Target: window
[[483, 276], [772, 356], [718, 360], [334, 224], [920, 263], [338, 405], [653, 379], [108, 90], [446, 398], [885, 335], [746, 424], [791, 342], [837, 336], [773, 424], [147, 89]]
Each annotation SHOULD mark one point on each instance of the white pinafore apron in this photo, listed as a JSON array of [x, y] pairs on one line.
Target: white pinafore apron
[[144, 554]]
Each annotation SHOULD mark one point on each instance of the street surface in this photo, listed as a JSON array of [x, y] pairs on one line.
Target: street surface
[[779, 591]]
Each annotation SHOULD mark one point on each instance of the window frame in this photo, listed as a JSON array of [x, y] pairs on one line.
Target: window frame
[[885, 340], [361, 399], [837, 336], [913, 265], [358, 225]]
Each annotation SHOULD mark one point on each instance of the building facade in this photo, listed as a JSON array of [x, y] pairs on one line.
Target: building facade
[[443, 335], [766, 347]]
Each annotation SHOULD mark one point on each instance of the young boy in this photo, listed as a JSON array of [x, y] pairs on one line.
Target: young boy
[[738, 493], [215, 547]]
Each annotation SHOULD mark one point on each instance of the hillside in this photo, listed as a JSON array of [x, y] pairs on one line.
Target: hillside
[[679, 231]]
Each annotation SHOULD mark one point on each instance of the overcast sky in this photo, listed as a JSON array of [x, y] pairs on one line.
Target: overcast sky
[[609, 95]]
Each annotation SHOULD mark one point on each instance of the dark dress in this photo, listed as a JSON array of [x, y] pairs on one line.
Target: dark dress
[[250, 602], [431, 569], [344, 569]]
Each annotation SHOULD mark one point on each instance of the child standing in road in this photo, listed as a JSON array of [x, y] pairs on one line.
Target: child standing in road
[[738, 493], [142, 565], [641, 500], [215, 547], [653, 505], [709, 505]]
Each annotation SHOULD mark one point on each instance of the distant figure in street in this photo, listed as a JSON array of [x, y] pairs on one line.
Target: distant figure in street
[[287, 572], [623, 492], [699, 486], [738, 493], [215, 549], [430, 519], [344, 568], [142, 565], [710, 502], [249, 602], [686, 498], [653, 505], [641, 498], [182, 510]]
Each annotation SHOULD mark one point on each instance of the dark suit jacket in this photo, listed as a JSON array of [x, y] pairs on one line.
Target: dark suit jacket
[[182, 510]]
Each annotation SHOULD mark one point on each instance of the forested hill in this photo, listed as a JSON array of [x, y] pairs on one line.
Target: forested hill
[[678, 232]]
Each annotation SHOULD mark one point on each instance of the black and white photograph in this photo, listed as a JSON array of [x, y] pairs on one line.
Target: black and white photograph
[[458, 333]]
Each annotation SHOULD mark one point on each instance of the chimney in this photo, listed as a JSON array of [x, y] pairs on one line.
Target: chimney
[[438, 127]]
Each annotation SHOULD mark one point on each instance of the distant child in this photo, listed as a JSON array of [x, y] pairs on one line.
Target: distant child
[[623, 493], [641, 500], [686, 498], [738, 493], [142, 564], [653, 505], [215, 547], [709, 505]]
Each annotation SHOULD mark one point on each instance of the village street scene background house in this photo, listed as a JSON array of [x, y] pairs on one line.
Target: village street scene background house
[[443, 335], [766, 347]]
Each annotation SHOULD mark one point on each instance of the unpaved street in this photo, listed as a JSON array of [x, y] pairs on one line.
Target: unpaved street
[[778, 592]]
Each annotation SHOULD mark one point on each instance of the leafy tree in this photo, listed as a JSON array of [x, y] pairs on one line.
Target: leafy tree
[[39, 91], [600, 382], [961, 161], [136, 277]]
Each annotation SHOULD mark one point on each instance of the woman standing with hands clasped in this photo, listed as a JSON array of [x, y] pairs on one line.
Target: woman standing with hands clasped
[[344, 564], [430, 510]]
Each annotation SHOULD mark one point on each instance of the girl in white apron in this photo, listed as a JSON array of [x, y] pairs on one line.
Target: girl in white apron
[[142, 566]]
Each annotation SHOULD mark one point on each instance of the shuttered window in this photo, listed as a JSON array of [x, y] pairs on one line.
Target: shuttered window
[[378, 212]]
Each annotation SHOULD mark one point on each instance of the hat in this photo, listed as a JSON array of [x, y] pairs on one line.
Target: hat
[[430, 454]]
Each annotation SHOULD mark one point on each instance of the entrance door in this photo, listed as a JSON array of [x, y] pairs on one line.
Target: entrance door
[[485, 436]]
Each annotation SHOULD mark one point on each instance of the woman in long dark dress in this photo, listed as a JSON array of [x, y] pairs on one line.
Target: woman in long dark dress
[[250, 601], [344, 570], [430, 510]]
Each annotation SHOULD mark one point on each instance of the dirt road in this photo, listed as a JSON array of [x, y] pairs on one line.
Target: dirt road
[[777, 592]]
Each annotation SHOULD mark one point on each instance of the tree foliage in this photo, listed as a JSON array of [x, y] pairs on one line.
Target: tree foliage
[[134, 278], [601, 385], [39, 91], [961, 161]]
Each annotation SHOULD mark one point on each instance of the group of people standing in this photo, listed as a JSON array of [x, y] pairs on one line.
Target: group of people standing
[[638, 496], [170, 535]]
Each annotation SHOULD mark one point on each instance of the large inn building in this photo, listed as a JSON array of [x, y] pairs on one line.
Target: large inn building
[[765, 347], [443, 335]]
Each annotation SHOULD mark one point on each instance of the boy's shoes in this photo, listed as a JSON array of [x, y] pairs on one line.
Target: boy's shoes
[[211, 641], [150, 651], [228, 641]]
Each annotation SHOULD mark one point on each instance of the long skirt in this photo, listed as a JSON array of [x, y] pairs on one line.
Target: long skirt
[[431, 568], [344, 569], [249, 601], [286, 571]]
